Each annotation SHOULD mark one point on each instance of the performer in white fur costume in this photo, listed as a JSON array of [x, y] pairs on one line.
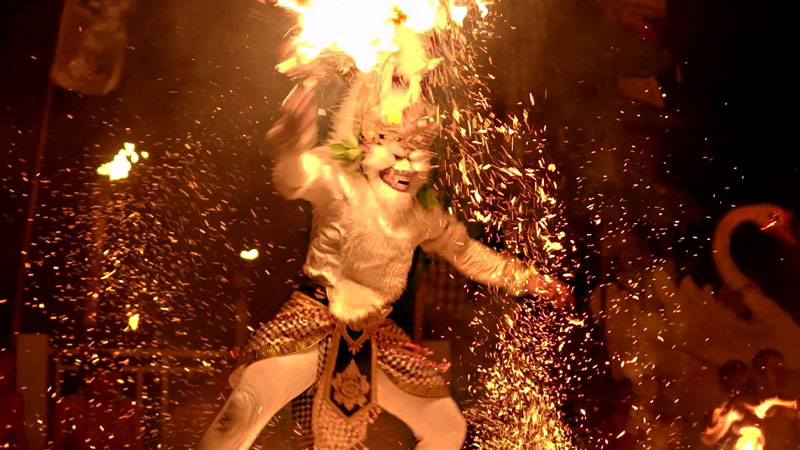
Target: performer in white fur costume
[[331, 341]]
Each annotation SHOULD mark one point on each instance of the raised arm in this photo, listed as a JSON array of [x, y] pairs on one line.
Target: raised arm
[[484, 265], [291, 140]]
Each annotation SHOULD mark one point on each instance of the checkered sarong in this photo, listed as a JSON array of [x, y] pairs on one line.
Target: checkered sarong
[[304, 321], [303, 405]]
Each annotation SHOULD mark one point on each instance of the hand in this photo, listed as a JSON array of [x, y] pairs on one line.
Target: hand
[[558, 292], [298, 125]]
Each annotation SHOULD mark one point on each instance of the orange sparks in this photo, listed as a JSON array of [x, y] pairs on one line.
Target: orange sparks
[[363, 30]]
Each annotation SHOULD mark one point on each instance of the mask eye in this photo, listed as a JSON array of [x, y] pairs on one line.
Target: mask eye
[[398, 157], [381, 136]]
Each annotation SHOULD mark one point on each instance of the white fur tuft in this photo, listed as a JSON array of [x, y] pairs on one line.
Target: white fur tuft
[[349, 301]]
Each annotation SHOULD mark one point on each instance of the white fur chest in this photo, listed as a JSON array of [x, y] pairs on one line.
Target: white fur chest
[[363, 239], [378, 245]]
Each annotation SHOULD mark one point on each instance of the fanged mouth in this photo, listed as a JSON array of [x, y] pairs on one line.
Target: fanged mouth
[[399, 181]]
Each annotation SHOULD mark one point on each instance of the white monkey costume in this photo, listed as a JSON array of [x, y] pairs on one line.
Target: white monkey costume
[[332, 335]]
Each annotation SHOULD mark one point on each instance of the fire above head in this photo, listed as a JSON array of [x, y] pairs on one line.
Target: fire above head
[[365, 30], [388, 41], [385, 39]]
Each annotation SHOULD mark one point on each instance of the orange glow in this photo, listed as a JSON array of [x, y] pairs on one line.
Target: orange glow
[[119, 167], [384, 37], [750, 436], [365, 30], [761, 410], [751, 439], [771, 223], [722, 422]]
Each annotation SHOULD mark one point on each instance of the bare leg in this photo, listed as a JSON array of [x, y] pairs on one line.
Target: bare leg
[[264, 388], [437, 423]]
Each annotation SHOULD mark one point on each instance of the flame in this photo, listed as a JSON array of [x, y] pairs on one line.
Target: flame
[[119, 167], [365, 30], [751, 439], [249, 254], [761, 410], [750, 435], [383, 37], [722, 421]]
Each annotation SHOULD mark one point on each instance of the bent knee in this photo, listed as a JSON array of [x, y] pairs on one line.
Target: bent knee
[[231, 426], [239, 410]]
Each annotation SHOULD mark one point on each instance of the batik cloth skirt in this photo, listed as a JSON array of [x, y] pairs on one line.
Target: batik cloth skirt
[[333, 414]]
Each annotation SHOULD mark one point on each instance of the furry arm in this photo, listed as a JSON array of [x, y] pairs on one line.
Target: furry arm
[[292, 138], [477, 261]]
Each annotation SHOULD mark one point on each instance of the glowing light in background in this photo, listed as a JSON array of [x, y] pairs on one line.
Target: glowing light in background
[[119, 167], [133, 322], [249, 254]]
